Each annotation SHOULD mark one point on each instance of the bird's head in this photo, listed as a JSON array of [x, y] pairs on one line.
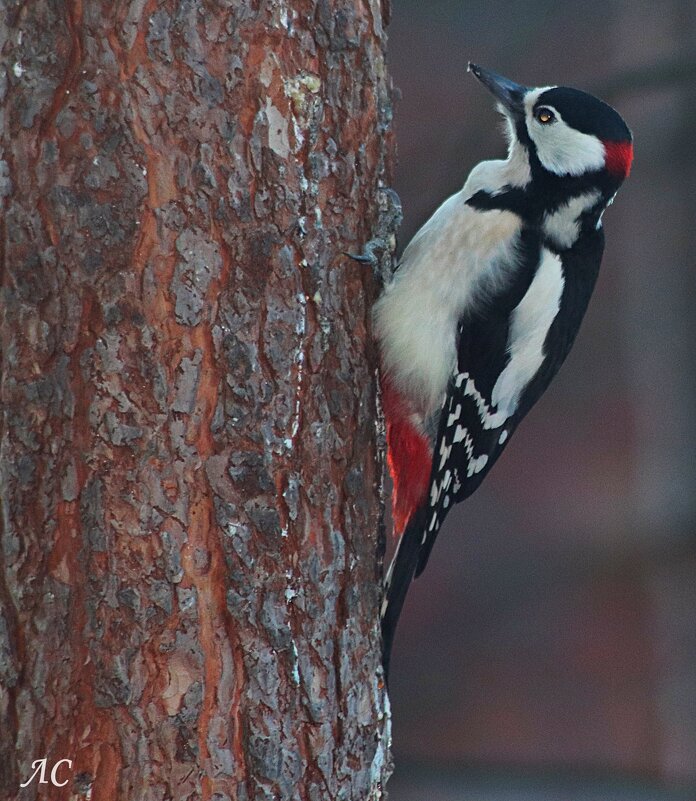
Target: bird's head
[[565, 132]]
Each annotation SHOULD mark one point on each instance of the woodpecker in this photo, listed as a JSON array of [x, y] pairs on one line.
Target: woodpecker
[[485, 304]]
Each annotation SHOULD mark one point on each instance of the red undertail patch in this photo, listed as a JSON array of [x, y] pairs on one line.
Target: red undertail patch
[[618, 158], [408, 457]]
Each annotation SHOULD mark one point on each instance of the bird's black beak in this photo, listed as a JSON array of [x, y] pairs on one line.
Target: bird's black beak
[[508, 93]]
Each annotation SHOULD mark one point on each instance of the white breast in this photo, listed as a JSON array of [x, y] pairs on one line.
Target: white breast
[[455, 260]]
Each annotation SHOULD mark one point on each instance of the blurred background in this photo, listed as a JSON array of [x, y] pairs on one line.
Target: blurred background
[[549, 651]]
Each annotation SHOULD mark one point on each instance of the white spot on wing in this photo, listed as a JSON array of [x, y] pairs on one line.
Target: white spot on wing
[[489, 418], [529, 326], [474, 464], [434, 494], [454, 416], [459, 434], [477, 464], [445, 451]]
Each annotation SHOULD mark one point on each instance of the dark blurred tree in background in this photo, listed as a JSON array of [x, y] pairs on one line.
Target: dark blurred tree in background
[[550, 650]]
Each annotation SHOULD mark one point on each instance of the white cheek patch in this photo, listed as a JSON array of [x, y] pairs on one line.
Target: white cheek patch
[[565, 151], [561, 149]]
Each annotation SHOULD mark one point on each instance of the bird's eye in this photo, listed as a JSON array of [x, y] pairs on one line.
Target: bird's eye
[[544, 115]]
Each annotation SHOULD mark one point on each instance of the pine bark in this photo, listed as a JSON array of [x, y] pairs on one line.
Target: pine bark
[[190, 476]]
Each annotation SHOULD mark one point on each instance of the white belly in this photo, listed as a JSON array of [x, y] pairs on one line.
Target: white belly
[[454, 261]]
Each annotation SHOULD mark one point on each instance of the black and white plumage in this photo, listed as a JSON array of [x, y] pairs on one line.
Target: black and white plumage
[[486, 303]]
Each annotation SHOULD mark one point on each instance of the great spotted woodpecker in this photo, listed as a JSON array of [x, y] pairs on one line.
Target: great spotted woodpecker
[[485, 305]]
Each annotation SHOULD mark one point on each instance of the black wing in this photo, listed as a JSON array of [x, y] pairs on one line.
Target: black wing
[[468, 440], [471, 436]]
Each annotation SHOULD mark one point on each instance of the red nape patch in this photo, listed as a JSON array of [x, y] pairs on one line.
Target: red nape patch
[[618, 158], [408, 457]]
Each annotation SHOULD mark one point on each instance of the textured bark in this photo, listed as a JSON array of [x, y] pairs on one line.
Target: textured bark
[[190, 460]]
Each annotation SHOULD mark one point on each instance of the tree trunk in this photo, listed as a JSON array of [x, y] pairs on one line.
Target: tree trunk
[[190, 563]]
